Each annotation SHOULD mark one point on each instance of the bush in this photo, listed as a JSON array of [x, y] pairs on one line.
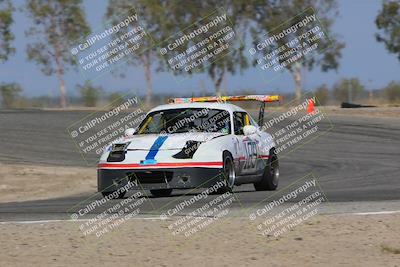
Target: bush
[[341, 89], [115, 99], [90, 94], [322, 95], [392, 92], [9, 94]]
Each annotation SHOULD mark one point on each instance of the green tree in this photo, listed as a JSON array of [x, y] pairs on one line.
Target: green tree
[[269, 21], [116, 10], [388, 22], [9, 94], [322, 95], [6, 35], [89, 93], [392, 92], [56, 23], [163, 19], [348, 90], [176, 16]]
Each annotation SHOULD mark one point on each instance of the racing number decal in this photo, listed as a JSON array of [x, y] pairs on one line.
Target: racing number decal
[[250, 148]]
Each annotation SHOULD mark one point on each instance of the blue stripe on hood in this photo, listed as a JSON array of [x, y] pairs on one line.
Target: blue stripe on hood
[[155, 147]]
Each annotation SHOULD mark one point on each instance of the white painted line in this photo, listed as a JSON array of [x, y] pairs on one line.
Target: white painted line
[[69, 220], [375, 212], [162, 219]]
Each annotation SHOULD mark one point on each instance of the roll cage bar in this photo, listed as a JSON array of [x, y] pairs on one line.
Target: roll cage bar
[[223, 99]]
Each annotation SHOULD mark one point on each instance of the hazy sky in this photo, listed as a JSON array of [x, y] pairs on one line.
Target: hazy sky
[[363, 57]]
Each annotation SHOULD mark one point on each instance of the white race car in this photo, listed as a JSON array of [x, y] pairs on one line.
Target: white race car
[[191, 143]]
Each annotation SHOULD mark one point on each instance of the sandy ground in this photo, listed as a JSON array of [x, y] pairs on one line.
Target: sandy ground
[[26, 182], [324, 240]]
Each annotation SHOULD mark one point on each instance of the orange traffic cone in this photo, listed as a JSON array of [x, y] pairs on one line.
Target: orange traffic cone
[[310, 107]]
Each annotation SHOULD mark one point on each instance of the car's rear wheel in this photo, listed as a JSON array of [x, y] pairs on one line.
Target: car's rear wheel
[[161, 192], [228, 174], [270, 178], [121, 194]]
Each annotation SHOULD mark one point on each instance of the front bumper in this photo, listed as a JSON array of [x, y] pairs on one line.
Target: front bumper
[[109, 180]]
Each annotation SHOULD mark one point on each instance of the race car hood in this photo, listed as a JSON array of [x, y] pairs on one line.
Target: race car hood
[[170, 141]]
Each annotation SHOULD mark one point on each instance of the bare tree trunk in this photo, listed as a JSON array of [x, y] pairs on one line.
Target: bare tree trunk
[[203, 89], [60, 76], [59, 64], [297, 80], [147, 74], [217, 83], [63, 92], [225, 81]]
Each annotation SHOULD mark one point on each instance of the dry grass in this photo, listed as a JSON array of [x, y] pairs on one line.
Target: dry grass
[[390, 249]]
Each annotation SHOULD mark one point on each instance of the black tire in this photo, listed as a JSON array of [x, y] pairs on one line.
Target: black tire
[[161, 192], [270, 178], [120, 195], [228, 174]]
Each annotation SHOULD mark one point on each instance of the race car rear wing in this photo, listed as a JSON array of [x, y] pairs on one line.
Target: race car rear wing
[[260, 98]]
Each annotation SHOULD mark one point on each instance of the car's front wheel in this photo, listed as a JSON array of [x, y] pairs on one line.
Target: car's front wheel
[[270, 178], [228, 174], [161, 192]]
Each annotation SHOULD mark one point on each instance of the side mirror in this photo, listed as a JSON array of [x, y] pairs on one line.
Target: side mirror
[[129, 132], [249, 130]]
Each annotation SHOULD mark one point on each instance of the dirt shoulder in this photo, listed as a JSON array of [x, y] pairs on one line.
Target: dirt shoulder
[[31, 182], [324, 240]]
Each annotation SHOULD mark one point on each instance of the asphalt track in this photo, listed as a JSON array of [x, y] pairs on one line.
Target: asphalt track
[[354, 160]]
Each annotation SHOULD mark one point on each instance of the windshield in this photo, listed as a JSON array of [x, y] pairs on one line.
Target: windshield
[[186, 120]]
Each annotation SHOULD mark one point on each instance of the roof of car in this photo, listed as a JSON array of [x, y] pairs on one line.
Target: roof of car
[[208, 105]]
